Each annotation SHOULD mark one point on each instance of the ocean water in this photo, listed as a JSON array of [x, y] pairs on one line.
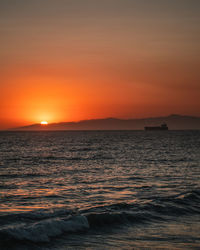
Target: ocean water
[[100, 190]]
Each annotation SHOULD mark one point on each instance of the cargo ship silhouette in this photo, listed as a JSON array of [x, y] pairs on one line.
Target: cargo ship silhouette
[[162, 127]]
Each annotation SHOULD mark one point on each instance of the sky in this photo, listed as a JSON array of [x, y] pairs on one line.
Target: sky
[[70, 60]]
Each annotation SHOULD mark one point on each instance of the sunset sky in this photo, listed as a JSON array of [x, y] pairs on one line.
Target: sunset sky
[[69, 60]]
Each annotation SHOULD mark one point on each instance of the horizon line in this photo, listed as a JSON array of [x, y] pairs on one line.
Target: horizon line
[[105, 118]]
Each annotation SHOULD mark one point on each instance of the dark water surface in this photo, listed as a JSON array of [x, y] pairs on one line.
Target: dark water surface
[[100, 190]]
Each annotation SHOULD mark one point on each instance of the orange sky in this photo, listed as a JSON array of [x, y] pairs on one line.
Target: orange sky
[[73, 60]]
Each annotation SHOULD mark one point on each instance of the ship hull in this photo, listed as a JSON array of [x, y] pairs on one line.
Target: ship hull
[[155, 128]]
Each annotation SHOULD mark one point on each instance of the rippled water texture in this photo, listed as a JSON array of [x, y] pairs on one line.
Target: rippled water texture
[[100, 189]]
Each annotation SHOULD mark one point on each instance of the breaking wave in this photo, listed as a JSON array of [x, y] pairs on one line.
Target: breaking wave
[[41, 225], [42, 231]]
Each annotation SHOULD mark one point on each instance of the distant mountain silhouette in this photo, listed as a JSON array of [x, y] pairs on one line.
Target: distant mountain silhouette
[[174, 122]]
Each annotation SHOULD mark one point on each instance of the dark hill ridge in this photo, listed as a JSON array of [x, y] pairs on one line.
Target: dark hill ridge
[[174, 122]]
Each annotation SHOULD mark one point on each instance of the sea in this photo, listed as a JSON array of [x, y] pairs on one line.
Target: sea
[[100, 190]]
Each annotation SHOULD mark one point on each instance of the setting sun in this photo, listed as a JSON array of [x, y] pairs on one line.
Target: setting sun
[[44, 123]]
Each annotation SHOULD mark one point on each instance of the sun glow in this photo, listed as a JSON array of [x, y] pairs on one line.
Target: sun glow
[[43, 122]]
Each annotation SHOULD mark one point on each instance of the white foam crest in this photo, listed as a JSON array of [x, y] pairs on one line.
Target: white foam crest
[[43, 230]]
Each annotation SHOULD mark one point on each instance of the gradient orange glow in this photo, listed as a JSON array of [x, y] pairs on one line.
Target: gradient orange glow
[[69, 62]]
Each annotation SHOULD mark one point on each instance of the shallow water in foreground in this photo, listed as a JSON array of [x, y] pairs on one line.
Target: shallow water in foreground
[[100, 190]]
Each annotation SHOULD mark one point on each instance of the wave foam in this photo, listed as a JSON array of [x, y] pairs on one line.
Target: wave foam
[[43, 230], [40, 225]]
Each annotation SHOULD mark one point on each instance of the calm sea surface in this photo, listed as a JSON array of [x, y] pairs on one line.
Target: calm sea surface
[[100, 190]]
